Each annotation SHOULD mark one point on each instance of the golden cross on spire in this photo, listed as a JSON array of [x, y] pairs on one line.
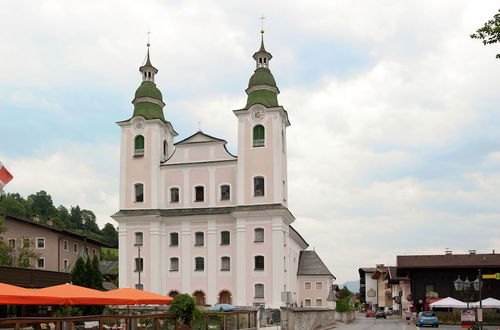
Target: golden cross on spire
[[149, 33], [262, 18]]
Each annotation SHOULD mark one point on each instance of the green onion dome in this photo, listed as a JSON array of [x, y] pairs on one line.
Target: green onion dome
[[148, 89], [262, 76]]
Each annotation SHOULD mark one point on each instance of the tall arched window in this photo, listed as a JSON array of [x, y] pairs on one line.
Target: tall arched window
[[139, 146], [225, 192], [199, 264], [225, 264], [259, 263], [259, 290], [139, 192], [174, 264], [258, 186], [258, 136]]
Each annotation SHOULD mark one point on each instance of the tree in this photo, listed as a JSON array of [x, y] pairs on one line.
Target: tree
[[490, 32], [345, 292], [26, 257], [78, 274], [13, 204], [41, 204], [95, 274], [76, 217], [110, 235], [5, 249], [184, 308], [89, 221], [343, 304]]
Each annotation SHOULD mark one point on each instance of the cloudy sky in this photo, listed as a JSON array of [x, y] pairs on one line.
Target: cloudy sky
[[394, 146]]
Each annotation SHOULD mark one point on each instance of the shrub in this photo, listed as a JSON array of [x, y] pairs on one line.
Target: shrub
[[184, 308]]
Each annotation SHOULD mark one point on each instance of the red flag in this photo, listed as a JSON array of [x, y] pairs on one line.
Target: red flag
[[5, 176]]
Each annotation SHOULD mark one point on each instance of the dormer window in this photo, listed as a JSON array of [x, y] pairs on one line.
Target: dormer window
[[139, 146]]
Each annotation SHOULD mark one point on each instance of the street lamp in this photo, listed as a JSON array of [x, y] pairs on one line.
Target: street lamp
[[467, 287]]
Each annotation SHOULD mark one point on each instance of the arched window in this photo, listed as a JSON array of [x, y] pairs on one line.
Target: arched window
[[199, 264], [225, 237], [258, 186], [139, 192], [174, 195], [139, 146], [173, 293], [259, 263], [258, 136], [259, 235], [259, 291], [174, 264], [199, 192], [225, 297], [225, 264], [165, 149], [225, 193], [199, 241], [138, 238], [199, 296]]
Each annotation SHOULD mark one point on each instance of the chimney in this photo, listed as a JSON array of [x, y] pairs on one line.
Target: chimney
[[447, 252], [472, 251], [36, 218], [50, 222]]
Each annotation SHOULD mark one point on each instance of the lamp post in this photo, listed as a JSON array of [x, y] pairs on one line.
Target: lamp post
[[468, 289]]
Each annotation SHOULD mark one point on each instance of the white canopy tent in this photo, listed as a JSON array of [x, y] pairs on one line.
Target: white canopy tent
[[448, 302], [487, 303]]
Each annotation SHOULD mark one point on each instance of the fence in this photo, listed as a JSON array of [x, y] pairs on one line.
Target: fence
[[212, 321]]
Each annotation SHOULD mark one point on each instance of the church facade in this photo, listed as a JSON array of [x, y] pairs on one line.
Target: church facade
[[196, 219]]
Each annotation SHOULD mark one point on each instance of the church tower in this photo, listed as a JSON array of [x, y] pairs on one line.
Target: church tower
[[262, 165], [146, 142]]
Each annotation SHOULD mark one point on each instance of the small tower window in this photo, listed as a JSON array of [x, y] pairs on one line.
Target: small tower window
[[225, 193], [174, 264], [139, 146], [174, 195], [225, 264], [139, 192], [258, 186], [259, 235], [165, 149], [258, 136], [199, 194], [199, 239], [174, 239], [138, 238], [259, 263], [259, 291], [264, 60], [224, 238], [199, 264]]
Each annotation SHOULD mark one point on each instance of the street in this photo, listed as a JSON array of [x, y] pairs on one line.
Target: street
[[391, 323]]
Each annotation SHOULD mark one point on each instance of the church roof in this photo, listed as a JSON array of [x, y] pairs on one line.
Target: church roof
[[200, 137], [311, 264]]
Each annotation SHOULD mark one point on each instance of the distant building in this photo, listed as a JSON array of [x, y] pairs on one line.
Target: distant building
[[368, 288], [57, 248], [433, 275]]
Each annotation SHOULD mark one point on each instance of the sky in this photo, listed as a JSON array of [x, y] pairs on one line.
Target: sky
[[394, 143]]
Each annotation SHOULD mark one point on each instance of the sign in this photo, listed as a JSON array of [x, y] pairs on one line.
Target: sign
[[371, 293], [5, 176], [491, 276], [468, 318]]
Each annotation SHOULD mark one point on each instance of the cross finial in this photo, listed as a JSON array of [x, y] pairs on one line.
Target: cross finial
[[149, 33], [199, 125], [262, 18]]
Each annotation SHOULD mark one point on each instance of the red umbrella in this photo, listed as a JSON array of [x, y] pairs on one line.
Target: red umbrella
[[139, 297], [15, 295], [77, 295]]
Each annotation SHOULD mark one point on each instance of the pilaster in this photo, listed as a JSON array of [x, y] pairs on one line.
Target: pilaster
[[212, 262], [155, 259], [186, 257], [123, 268], [277, 234], [241, 261]]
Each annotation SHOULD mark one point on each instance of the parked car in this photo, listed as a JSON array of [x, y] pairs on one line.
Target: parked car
[[427, 318], [380, 314], [370, 314]]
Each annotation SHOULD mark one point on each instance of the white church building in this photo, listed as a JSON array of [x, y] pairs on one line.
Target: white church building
[[196, 219]]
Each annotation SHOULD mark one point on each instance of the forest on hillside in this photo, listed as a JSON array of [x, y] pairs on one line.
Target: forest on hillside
[[75, 219]]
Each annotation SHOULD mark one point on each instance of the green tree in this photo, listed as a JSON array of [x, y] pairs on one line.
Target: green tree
[[490, 32], [78, 275], [343, 304], [76, 217], [110, 235], [89, 221], [184, 308], [345, 292], [25, 255], [5, 249], [95, 274], [13, 204], [41, 204]]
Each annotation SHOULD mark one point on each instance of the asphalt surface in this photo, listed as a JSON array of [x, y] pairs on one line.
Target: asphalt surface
[[391, 323]]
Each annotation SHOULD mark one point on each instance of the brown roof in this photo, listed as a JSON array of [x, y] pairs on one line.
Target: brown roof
[[55, 229], [449, 261]]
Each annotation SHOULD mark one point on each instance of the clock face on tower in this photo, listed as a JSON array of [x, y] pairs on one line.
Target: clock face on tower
[[138, 125], [257, 114]]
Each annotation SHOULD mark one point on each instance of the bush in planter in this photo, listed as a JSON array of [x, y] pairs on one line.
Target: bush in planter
[[184, 308]]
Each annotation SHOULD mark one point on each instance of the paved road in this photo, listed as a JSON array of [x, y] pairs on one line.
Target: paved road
[[392, 323]]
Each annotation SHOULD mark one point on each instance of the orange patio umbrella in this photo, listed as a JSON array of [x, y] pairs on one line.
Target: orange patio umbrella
[[77, 295], [15, 295], [139, 297]]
